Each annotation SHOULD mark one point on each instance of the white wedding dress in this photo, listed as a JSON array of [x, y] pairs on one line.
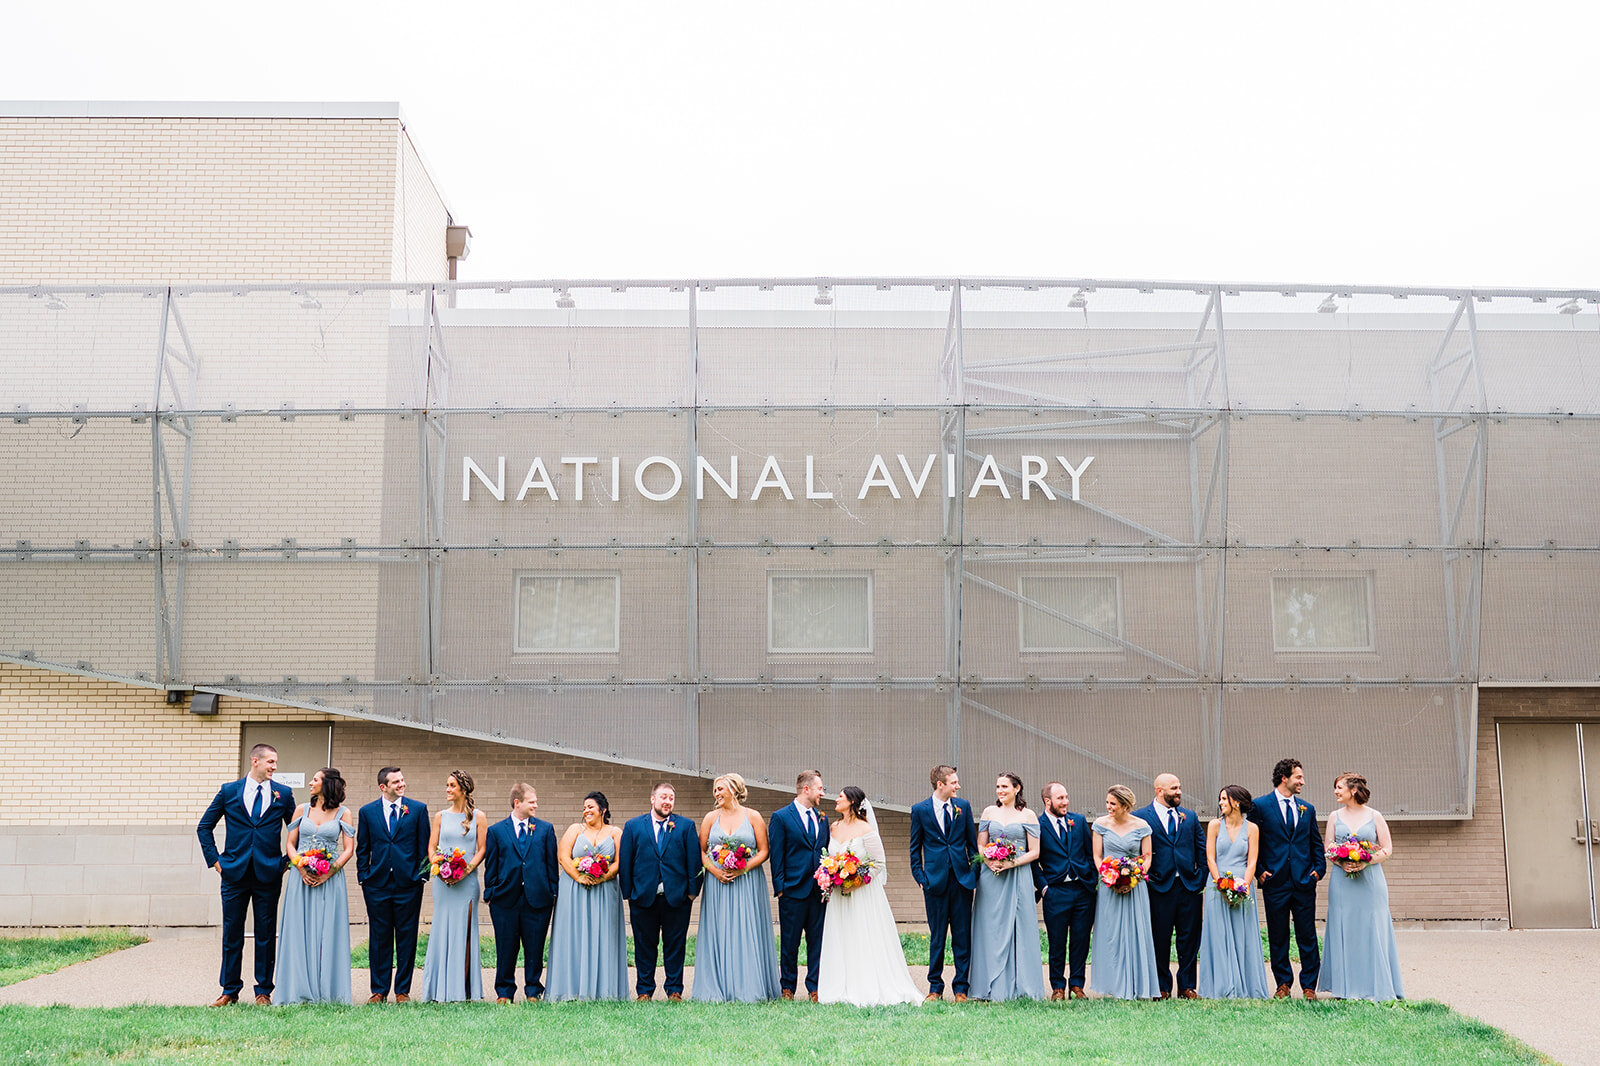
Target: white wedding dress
[[862, 961]]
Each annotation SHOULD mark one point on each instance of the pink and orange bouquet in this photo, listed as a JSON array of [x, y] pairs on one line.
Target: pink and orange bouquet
[[996, 851], [732, 855], [1234, 889], [1121, 874], [318, 860], [595, 866], [844, 870], [1353, 850], [449, 868]]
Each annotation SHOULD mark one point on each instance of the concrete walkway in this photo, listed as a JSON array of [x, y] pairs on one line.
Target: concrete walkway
[[1533, 984]]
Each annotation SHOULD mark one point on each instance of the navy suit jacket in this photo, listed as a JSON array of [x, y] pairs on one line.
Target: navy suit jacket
[[255, 845], [796, 854], [939, 857], [1291, 854], [514, 876], [676, 867], [1059, 857], [392, 860], [1178, 859]]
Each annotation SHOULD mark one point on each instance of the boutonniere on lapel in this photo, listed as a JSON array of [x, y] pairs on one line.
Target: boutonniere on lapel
[[673, 824], [404, 810], [1182, 817], [1302, 807]]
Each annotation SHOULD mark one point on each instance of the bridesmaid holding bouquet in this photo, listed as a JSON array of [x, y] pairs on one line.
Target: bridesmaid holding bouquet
[[1231, 964]]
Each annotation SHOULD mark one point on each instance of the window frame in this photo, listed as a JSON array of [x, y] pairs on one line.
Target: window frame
[[517, 579], [1022, 608], [1369, 587], [773, 649]]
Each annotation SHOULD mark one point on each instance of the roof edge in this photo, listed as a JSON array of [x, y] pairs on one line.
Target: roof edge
[[200, 109]]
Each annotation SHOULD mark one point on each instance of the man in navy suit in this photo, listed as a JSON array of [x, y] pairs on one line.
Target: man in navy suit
[[1178, 873], [1066, 880], [944, 839], [519, 883], [391, 849], [661, 874], [256, 808], [796, 835], [1290, 861]]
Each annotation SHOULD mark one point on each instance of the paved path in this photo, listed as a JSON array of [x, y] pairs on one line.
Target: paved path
[[1533, 984]]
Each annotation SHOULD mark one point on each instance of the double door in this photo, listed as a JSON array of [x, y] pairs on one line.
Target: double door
[[1550, 799]]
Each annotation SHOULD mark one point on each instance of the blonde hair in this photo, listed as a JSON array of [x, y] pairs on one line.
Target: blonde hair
[[1123, 795], [735, 785]]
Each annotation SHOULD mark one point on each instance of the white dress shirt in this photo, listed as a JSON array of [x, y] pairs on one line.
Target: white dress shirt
[[251, 786]]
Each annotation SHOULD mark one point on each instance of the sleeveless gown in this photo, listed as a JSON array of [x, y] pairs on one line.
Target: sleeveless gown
[[588, 948], [735, 959], [453, 969], [1231, 963], [1006, 963], [862, 961], [1359, 957], [1123, 958], [314, 925]]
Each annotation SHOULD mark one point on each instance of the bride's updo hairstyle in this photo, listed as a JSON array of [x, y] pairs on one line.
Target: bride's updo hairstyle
[[858, 800]]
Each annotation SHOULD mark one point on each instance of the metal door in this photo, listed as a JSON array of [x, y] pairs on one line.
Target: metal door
[[303, 749], [1548, 829]]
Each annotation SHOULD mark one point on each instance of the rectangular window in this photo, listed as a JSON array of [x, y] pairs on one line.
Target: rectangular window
[[1322, 612], [819, 612], [1092, 599], [568, 612]]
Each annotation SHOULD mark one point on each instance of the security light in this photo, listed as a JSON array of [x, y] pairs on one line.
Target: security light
[[824, 295], [1571, 307], [564, 300], [1328, 305], [1079, 301]]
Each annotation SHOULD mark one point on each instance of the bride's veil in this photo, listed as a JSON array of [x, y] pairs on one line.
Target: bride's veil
[[875, 841], [872, 816]]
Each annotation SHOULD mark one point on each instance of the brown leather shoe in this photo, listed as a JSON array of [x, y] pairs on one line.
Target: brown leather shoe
[[788, 993], [263, 1000], [1167, 994], [225, 1000], [813, 996], [677, 997], [379, 997], [1078, 993], [504, 1000], [1310, 993], [961, 997], [1188, 993], [1281, 993], [933, 997], [401, 997], [1057, 994], [642, 999]]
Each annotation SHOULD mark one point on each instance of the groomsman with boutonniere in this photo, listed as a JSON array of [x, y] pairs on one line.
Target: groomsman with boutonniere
[[1177, 878], [944, 841], [661, 874], [520, 879], [1066, 881], [391, 864], [256, 808], [797, 833], [1290, 863]]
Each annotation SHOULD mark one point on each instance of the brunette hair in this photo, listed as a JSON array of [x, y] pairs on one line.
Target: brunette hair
[[857, 798], [1355, 783], [1123, 795], [664, 784], [939, 775], [260, 750], [1240, 796], [805, 778], [1016, 782], [464, 783], [735, 785], [1044, 793], [1284, 770], [332, 795], [601, 802], [383, 775]]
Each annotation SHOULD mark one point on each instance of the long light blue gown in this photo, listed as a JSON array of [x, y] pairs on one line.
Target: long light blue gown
[[1231, 963], [1123, 960], [735, 959], [1359, 957], [1006, 963], [588, 948], [314, 925], [453, 970]]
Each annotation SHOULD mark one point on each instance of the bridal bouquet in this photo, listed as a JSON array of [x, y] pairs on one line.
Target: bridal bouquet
[[595, 866], [449, 868], [732, 855], [1233, 889], [1353, 850], [318, 860], [845, 870], [1121, 874]]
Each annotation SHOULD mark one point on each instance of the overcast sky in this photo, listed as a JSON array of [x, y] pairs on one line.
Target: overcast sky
[[1399, 143]]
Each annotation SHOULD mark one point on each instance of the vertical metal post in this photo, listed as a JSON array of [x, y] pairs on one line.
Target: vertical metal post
[[953, 437], [691, 737], [163, 628], [1217, 666]]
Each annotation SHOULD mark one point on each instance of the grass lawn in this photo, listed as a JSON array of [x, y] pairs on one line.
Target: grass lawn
[[1306, 1034], [25, 957]]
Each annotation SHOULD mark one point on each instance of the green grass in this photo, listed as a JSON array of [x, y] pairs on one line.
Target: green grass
[[25, 957], [1307, 1034]]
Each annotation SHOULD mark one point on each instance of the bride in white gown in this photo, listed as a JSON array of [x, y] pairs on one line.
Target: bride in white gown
[[862, 962]]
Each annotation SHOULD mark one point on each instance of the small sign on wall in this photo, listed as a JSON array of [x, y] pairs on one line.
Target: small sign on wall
[[292, 780]]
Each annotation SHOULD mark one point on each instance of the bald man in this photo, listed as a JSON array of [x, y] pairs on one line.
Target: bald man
[[1178, 873]]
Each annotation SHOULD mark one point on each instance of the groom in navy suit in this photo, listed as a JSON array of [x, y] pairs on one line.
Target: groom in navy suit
[[256, 808], [1178, 873], [1290, 861], [944, 839], [391, 849], [1066, 880], [661, 875], [519, 883], [796, 835]]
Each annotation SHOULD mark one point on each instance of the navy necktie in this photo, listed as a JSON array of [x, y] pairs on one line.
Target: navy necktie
[[392, 816], [522, 831], [949, 816], [255, 810]]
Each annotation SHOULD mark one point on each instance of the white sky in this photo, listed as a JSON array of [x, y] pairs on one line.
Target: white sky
[[1408, 143]]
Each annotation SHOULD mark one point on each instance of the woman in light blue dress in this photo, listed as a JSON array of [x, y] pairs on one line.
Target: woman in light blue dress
[[588, 948], [314, 918], [1006, 963], [1231, 963], [1123, 960], [1359, 957], [735, 959], [453, 970]]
